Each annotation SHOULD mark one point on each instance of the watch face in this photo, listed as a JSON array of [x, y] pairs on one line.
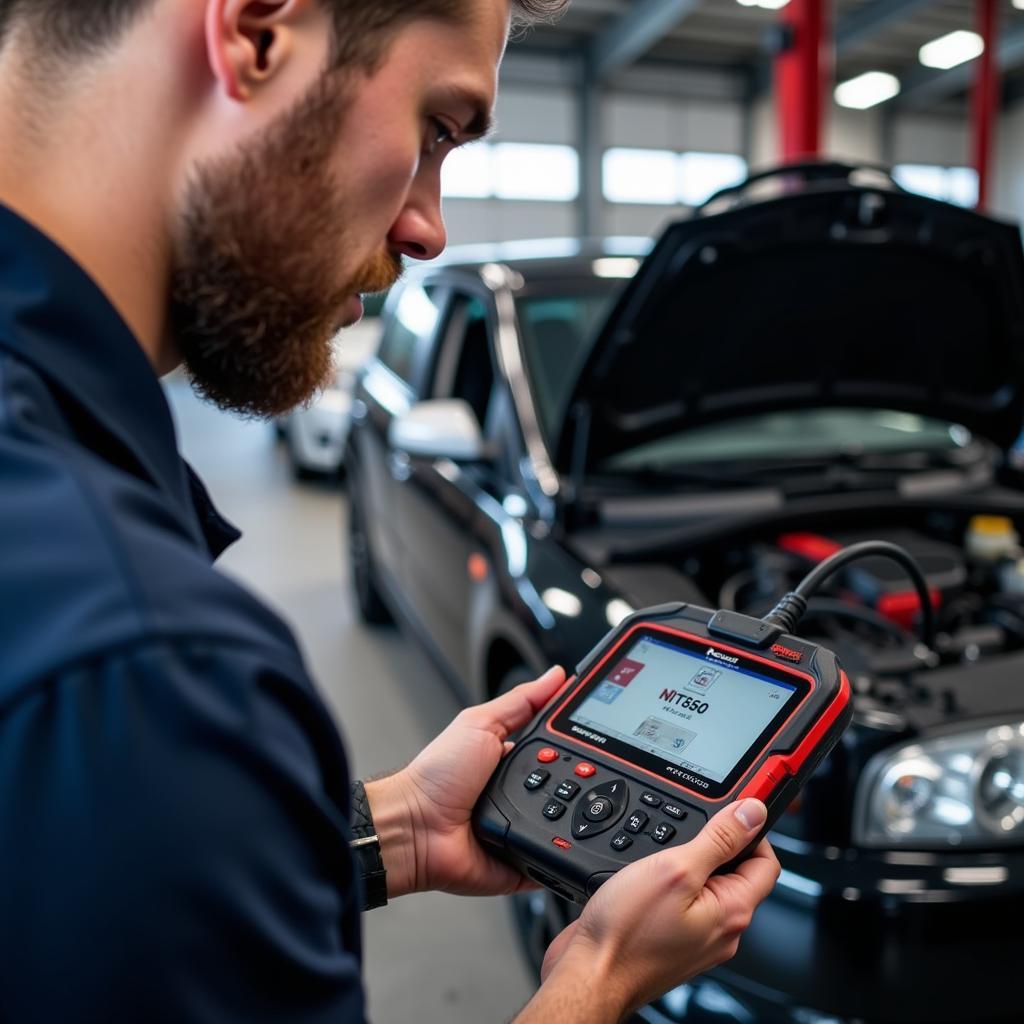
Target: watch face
[[691, 711]]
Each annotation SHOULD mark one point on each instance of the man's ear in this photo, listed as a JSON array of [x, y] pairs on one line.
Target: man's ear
[[250, 41]]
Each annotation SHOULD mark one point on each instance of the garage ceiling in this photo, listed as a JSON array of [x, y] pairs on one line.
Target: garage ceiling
[[882, 35]]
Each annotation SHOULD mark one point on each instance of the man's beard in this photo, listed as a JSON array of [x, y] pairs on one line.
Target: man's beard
[[255, 293]]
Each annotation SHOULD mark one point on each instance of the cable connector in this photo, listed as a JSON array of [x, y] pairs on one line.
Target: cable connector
[[788, 612]]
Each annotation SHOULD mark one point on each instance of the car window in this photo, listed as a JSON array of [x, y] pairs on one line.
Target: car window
[[557, 332], [466, 368], [414, 321], [798, 433]]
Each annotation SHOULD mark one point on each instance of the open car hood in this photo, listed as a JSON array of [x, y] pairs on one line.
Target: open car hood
[[841, 297]]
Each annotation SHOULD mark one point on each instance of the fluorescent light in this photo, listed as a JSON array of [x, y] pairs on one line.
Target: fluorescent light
[[867, 90], [623, 267], [952, 49], [769, 5]]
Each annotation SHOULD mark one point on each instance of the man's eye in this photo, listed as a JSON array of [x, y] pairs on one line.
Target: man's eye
[[438, 133]]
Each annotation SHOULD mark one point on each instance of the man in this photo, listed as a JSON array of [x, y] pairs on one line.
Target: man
[[215, 182]]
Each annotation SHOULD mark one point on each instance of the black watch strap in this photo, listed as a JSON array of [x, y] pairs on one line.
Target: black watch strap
[[365, 847]]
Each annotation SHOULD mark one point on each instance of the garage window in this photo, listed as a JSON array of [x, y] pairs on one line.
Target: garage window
[[512, 170], [958, 185]]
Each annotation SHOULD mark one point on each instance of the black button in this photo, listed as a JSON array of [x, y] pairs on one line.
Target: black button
[[674, 811], [536, 778], [599, 809], [553, 810], [651, 799], [567, 790], [663, 833], [636, 821], [621, 841], [616, 789]]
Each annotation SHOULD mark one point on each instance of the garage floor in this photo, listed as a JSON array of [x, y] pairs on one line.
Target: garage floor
[[431, 957]]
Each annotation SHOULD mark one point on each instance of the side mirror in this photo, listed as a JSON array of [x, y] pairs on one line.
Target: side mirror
[[443, 428]]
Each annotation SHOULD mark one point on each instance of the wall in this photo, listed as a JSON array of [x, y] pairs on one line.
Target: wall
[[1008, 179], [645, 114]]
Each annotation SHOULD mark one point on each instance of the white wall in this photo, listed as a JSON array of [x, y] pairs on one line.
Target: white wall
[[1008, 181], [549, 113]]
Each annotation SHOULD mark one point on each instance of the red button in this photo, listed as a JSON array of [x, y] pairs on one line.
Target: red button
[[584, 770], [547, 754], [562, 844]]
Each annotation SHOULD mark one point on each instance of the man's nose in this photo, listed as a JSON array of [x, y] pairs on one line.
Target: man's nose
[[419, 231]]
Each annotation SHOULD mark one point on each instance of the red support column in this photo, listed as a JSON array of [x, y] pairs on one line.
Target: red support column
[[985, 98], [802, 73]]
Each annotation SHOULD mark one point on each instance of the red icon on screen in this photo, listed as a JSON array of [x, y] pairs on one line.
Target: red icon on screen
[[625, 672]]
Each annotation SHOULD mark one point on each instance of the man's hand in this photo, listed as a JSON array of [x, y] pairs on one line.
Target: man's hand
[[657, 923], [423, 812]]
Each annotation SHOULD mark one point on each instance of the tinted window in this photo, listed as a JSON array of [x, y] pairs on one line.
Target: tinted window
[[557, 332], [466, 369], [414, 321]]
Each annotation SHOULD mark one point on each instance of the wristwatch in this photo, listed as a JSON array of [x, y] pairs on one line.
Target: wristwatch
[[365, 846]]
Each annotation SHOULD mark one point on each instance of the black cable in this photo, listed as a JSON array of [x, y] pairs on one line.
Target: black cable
[[830, 607], [791, 608]]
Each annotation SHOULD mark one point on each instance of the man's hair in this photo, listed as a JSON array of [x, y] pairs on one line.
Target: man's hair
[[71, 28]]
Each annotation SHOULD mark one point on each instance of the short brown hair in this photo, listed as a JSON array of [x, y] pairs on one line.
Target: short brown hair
[[77, 27]]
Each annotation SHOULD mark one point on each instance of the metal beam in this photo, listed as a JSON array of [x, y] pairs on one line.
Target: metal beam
[[872, 19], [632, 35], [922, 87]]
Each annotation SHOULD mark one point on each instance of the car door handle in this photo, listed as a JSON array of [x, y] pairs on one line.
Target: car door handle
[[400, 466]]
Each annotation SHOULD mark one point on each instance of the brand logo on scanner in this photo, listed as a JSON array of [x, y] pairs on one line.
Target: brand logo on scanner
[[589, 735], [718, 656], [686, 777]]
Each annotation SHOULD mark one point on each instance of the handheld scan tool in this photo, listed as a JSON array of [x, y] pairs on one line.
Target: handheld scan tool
[[677, 712]]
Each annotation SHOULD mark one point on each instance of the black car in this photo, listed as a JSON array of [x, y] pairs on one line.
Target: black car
[[548, 440]]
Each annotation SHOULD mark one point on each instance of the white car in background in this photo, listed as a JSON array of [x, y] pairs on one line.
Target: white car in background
[[315, 434]]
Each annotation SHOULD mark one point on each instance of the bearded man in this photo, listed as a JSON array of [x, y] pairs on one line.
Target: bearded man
[[214, 183]]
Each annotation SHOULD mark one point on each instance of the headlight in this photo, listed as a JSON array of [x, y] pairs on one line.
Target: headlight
[[961, 790]]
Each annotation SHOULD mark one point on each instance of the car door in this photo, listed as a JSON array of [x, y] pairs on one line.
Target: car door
[[392, 382], [445, 509]]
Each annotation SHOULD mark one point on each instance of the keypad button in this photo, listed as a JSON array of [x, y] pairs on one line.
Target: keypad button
[[547, 754], [636, 821], [675, 811], [567, 790], [651, 799], [585, 770], [553, 810], [621, 841], [536, 778], [599, 809], [663, 833]]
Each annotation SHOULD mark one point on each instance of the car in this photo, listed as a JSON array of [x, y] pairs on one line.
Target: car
[[315, 434], [550, 437]]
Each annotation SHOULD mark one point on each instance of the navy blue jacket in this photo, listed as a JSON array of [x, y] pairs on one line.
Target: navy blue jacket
[[173, 793]]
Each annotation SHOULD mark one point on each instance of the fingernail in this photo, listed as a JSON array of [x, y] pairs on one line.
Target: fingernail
[[752, 813]]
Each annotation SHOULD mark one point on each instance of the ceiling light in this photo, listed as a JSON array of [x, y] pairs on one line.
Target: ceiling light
[[951, 50], [769, 5], [616, 266], [867, 90]]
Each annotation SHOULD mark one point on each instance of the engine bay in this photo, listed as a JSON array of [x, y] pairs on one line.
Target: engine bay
[[869, 612]]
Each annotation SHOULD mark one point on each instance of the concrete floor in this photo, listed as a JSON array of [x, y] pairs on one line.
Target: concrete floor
[[428, 957]]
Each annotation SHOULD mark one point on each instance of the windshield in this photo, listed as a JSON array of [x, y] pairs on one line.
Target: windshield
[[557, 332], [793, 435]]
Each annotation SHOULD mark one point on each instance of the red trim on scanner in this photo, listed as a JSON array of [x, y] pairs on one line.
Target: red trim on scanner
[[779, 767], [786, 669]]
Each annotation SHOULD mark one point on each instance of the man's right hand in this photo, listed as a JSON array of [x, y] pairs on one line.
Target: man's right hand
[[656, 924]]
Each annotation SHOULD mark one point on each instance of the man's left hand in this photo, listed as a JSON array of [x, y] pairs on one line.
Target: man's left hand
[[423, 812]]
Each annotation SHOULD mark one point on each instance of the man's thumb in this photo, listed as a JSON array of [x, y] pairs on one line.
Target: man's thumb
[[727, 835]]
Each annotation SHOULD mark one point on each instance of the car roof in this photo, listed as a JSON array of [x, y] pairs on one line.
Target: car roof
[[543, 259]]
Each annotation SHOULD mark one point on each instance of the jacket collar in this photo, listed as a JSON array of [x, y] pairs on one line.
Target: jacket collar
[[54, 317]]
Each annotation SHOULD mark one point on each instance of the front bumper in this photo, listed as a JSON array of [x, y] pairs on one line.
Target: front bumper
[[900, 938]]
